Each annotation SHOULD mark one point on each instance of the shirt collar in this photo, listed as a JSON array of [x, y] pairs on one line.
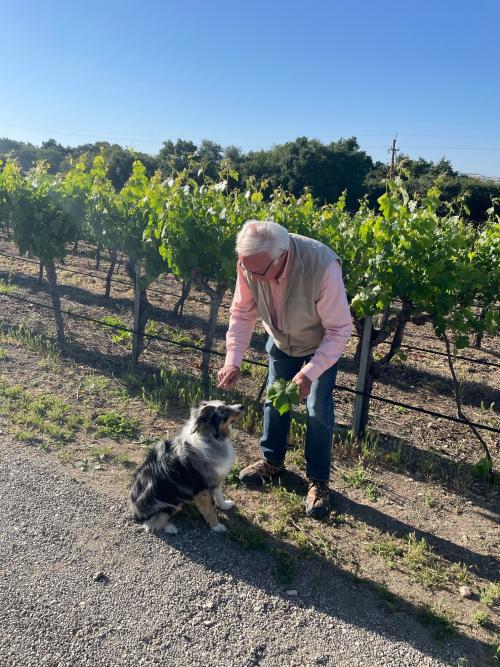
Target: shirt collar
[[288, 265]]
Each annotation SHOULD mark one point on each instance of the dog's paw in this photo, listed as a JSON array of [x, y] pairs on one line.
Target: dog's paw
[[227, 504], [170, 529], [219, 528]]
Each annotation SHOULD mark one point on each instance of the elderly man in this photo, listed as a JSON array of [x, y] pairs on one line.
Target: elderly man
[[294, 284]]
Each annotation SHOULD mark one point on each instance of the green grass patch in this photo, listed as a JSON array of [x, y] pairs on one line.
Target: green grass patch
[[6, 286], [480, 618], [423, 564], [38, 417], [32, 340], [232, 477], [248, 536], [491, 594], [357, 478], [117, 426], [440, 620], [123, 459], [391, 551], [284, 569], [102, 454], [117, 335]]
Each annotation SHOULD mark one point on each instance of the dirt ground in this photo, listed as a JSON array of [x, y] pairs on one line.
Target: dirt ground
[[412, 515]]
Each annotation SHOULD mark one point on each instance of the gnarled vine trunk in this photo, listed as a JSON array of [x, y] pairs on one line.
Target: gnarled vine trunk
[[113, 254], [216, 297], [479, 336], [186, 289], [56, 302], [375, 368], [144, 305], [98, 257]]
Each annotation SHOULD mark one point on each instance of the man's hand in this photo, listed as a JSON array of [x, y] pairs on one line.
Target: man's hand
[[304, 384], [228, 376]]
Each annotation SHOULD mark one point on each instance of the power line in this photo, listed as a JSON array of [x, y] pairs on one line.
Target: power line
[[253, 362], [138, 135]]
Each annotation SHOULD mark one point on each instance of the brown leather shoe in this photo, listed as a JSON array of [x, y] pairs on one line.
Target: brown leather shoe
[[259, 472], [318, 499]]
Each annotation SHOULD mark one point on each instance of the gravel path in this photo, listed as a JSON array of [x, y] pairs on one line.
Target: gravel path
[[81, 585]]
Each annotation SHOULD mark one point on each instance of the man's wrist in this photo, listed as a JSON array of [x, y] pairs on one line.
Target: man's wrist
[[233, 359]]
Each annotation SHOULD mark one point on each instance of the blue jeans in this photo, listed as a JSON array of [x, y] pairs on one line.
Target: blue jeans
[[320, 416]]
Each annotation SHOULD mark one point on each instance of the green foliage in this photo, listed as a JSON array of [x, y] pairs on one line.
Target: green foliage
[[196, 230], [424, 566], [117, 335], [232, 477], [102, 213], [483, 468], [439, 619], [117, 426], [41, 222], [358, 479], [140, 205], [390, 550], [44, 418], [491, 594], [480, 617], [251, 420], [283, 395], [248, 536], [284, 569], [6, 286]]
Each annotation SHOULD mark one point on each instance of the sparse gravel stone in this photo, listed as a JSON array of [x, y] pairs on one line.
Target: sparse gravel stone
[[465, 591], [193, 599]]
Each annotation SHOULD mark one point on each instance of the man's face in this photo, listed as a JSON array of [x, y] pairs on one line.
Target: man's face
[[262, 267]]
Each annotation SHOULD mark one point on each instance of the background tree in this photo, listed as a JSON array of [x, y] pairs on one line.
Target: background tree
[[173, 158], [209, 157]]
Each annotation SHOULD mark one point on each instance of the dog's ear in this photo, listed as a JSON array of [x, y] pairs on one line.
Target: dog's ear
[[202, 415]]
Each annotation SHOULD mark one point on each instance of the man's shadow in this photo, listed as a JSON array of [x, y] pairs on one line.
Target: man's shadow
[[250, 554]]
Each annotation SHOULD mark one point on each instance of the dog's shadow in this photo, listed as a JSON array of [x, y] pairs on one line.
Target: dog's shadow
[[250, 554]]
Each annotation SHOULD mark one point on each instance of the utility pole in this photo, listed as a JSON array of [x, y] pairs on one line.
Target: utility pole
[[393, 152]]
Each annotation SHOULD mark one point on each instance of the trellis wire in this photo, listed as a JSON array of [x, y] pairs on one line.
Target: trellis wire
[[253, 362]]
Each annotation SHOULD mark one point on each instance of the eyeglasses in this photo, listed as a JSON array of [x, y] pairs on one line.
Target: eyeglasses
[[254, 273]]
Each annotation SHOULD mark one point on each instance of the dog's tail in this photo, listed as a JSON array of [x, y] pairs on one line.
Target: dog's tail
[[138, 498]]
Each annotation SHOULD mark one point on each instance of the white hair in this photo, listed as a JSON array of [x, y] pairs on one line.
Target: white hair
[[262, 236]]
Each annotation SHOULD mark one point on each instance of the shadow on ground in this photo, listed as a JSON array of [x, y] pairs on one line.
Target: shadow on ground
[[275, 567]]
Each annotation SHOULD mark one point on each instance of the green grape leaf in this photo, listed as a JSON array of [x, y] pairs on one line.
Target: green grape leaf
[[283, 395]]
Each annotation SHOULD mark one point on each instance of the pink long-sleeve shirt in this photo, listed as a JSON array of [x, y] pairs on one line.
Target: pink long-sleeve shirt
[[332, 307]]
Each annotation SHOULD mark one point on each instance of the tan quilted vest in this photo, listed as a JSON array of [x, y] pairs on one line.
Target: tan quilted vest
[[302, 329]]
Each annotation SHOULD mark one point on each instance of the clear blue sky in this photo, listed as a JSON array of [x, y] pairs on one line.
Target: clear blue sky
[[254, 73]]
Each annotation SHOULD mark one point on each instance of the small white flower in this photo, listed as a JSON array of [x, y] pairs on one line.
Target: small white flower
[[223, 213], [186, 189], [247, 194], [220, 187], [170, 182], [211, 211]]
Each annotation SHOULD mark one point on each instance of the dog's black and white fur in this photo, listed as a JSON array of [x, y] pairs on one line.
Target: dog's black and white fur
[[189, 469]]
